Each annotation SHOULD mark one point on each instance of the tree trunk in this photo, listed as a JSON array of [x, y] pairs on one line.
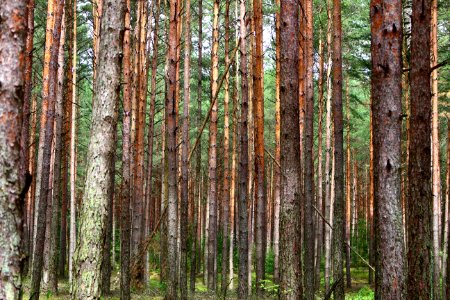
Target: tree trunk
[[348, 194], [68, 91], [138, 179], [371, 246], [13, 33], [105, 276], [386, 28], [435, 150], [328, 150], [277, 179], [45, 91], [31, 195], [171, 152], [97, 11], [226, 157], [290, 236], [94, 210], [184, 155], [198, 154], [308, 150], [258, 109], [339, 201], [56, 205], [46, 131], [212, 174], [419, 171], [151, 127], [125, 214], [233, 186], [25, 130], [73, 150], [320, 223], [243, 161], [446, 264]]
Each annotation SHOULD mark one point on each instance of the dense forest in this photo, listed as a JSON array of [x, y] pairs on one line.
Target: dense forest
[[224, 149]]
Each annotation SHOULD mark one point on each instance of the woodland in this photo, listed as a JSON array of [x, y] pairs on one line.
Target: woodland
[[224, 149]]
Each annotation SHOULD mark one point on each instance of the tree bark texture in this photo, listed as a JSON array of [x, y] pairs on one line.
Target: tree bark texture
[[13, 32], [386, 48], [291, 201], [94, 211]]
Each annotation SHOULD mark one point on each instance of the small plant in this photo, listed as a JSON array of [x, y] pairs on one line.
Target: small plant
[[269, 287]]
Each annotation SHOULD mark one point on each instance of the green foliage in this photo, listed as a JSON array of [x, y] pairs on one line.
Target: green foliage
[[364, 293], [269, 287], [270, 261]]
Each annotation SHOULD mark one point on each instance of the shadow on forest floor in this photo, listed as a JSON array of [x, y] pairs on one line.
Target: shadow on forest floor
[[360, 290]]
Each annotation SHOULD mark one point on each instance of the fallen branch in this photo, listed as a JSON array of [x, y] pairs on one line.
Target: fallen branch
[[348, 245]]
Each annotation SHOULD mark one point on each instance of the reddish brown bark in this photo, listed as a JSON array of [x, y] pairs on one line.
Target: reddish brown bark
[[419, 171], [258, 109], [339, 201], [25, 130], [386, 28], [212, 174], [309, 231], [226, 158], [290, 236], [47, 128]]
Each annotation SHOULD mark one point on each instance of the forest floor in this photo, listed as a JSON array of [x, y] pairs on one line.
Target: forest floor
[[360, 289]]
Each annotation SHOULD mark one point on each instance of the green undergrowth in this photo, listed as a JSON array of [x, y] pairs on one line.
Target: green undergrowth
[[155, 289]]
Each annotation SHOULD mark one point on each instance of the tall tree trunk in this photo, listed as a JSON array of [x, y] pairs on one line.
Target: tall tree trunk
[[13, 33], [371, 246], [277, 179], [233, 186], [68, 91], [125, 214], [435, 145], [243, 160], [290, 236], [198, 154], [320, 223], [44, 105], [212, 174], [419, 171], [339, 201], [138, 179], [151, 126], [258, 108], [309, 157], [94, 210], [226, 157], [184, 155], [328, 150], [56, 206], [46, 131], [31, 195], [445, 265], [386, 49], [348, 188], [171, 152], [73, 150], [25, 130]]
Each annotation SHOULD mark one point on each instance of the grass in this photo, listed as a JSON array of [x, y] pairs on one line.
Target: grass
[[155, 290]]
